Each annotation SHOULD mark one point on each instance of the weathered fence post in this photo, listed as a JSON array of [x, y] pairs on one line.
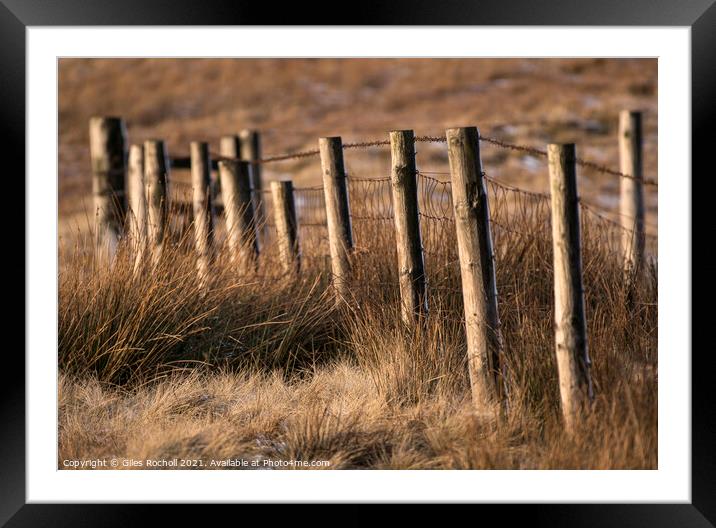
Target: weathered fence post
[[477, 269], [229, 147], [156, 176], [137, 203], [404, 185], [108, 151], [631, 192], [239, 212], [250, 143], [335, 189], [202, 206], [573, 363], [284, 210]]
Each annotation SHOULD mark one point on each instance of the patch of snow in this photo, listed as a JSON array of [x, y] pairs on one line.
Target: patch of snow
[[589, 101], [608, 201], [531, 163]]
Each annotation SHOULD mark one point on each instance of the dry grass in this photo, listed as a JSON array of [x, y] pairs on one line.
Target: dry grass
[[339, 414], [282, 374], [124, 325]]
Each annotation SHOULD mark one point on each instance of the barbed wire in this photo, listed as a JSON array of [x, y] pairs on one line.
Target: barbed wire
[[431, 186], [601, 214], [519, 218], [579, 161], [313, 189], [356, 179], [367, 144], [543, 153], [183, 162], [431, 139]]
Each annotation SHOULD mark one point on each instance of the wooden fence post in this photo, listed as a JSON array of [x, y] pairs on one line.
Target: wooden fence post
[[631, 192], [202, 206], [573, 363], [335, 189], [250, 143], [108, 151], [404, 186], [239, 212], [284, 210], [229, 147], [137, 202], [477, 269], [156, 177]]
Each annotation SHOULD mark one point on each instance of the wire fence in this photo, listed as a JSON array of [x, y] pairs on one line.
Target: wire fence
[[540, 153], [520, 218], [436, 139], [516, 214]]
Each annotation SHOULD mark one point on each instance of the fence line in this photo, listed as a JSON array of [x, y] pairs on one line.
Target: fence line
[[183, 162], [434, 183], [409, 215], [372, 203]]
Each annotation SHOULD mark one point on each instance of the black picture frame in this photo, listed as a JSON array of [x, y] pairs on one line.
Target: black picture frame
[[699, 15]]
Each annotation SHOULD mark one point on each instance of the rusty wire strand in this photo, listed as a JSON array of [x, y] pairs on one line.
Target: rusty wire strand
[[579, 161], [595, 210], [442, 139], [433, 189]]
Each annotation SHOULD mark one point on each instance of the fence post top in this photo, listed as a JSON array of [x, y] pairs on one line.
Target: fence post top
[[631, 112], [564, 152], [454, 131], [402, 131], [155, 147], [106, 118], [560, 146], [331, 144], [282, 183]]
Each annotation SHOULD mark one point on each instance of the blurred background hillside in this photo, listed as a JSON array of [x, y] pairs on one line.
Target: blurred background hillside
[[295, 101]]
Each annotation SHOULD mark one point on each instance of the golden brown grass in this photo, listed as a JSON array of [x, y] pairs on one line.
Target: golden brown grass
[[337, 414], [263, 366]]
